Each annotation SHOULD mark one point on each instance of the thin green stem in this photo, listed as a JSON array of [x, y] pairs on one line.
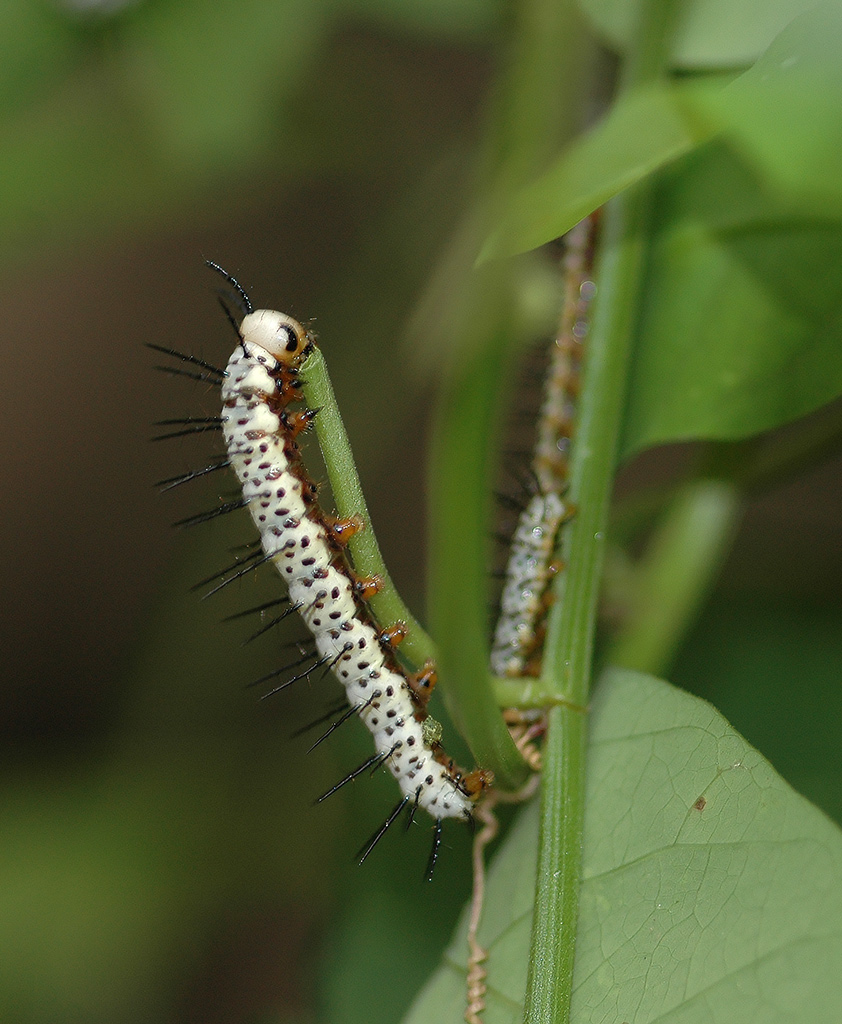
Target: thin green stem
[[387, 605], [572, 620], [524, 694], [463, 442], [468, 320]]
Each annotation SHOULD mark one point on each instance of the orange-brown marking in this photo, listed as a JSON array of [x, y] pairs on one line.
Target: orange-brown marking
[[297, 422], [365, 587], [477, 782], [394, 635], [342, 530], [423, 682]]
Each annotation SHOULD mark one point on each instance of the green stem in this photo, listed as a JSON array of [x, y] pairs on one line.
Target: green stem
[[466, 426], [572, 620], [524, 694], [468, 320], [676, 574], [387, 605]]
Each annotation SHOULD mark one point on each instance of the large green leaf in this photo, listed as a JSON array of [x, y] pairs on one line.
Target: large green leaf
[[711, 892], [741, 324], [780, 117], [741, 328]]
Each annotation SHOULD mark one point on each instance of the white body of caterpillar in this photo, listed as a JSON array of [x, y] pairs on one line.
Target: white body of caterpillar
[[527, 573], [294, 536], [530, 565]]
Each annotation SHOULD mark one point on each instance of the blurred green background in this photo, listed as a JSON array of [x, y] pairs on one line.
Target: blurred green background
[[160, 857]]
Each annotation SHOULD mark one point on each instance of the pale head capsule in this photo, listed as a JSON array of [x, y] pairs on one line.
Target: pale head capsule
[[277, 334]]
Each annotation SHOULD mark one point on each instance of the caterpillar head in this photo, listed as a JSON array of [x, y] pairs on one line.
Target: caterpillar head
[[278, 334]]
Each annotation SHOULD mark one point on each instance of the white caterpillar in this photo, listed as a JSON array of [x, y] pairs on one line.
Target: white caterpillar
[[527, 574], [260, 435], [530, 565]]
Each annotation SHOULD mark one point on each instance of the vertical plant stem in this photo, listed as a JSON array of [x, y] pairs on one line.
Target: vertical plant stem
[[460, 514], [529, 106], [568, 656], [571, 626]]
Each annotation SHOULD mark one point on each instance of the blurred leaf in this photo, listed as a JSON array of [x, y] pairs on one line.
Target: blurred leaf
[[642, 132], [141, 113], [37, 46], [709, 33], [742, 322], [711, 890], [211, 75], [782, 115]]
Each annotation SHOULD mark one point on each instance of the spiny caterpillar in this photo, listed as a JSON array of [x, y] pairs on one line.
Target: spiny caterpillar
[[515, 648], [306, 546]]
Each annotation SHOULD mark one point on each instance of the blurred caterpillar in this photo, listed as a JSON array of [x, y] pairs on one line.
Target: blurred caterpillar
[[515, 647], [518, 635]]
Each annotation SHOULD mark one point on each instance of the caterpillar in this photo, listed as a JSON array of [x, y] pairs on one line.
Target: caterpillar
[[516, 644], [515, 647], [259, 386]]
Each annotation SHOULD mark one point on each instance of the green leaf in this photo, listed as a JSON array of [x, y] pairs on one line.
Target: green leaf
[[742, 325], [782, 115], [645, 130], [709, 33], [712, 892], [741, 328]]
